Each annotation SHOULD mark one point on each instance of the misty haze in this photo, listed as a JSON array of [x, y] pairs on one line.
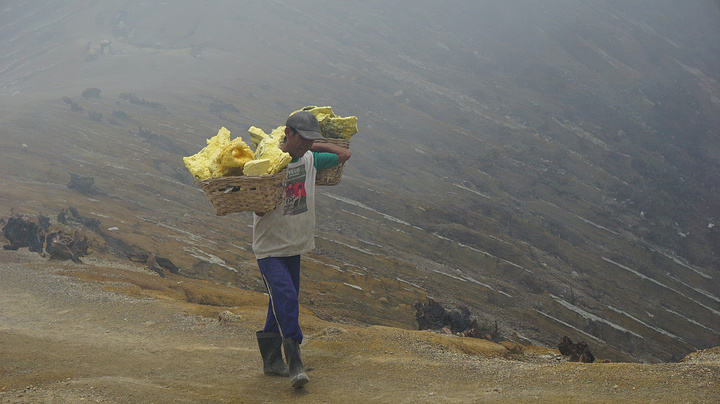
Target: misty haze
[[547, 169]]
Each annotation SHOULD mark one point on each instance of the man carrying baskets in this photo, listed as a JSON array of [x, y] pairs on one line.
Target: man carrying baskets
[[282, 235]]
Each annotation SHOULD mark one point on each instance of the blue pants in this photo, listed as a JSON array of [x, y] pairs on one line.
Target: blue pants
[[282, 282]]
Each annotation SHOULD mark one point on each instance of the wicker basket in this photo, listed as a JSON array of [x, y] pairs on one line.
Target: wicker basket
[[332, 175], [242, 194]]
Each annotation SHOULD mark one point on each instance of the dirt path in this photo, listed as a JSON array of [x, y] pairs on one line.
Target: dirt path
[[63, 340]]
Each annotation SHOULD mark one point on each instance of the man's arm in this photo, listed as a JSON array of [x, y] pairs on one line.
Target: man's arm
[[342, 153]]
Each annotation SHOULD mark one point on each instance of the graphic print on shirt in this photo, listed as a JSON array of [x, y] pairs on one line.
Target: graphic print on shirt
[[295, 194]]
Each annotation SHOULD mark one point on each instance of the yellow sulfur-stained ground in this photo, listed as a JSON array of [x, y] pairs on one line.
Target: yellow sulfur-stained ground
[[109, 331]]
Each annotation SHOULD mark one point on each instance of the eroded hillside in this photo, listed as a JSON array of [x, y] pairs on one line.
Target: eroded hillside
[[552, 167]]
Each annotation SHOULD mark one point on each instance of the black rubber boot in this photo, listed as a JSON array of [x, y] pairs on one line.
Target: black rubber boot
[[298, 378], [270, 344]]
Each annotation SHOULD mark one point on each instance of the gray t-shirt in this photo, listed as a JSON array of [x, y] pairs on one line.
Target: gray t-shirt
[[289, 229]]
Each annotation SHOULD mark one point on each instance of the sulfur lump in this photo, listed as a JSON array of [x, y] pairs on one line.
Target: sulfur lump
[[257, 135], [220, 158], [256, 167], [331, 125], [231, 159], [268, 147], [199, 163]]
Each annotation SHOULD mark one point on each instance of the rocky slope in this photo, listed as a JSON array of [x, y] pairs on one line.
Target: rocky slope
[[552, 167], [111, 332]]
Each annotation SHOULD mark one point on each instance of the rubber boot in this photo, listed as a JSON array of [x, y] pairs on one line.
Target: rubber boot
[[298, 378], [270, 344]]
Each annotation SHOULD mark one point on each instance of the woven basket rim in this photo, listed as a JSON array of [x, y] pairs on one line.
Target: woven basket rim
[[344, 143], [244, 193], [244, 178]]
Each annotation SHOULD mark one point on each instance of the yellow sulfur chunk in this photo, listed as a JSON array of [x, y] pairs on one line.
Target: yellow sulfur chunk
[[199, 164], [331, 125], [256, 167], [257, 135], [269, 148], [231, 159], [281, 161], [319, 112], [339, 128], [278, 134]]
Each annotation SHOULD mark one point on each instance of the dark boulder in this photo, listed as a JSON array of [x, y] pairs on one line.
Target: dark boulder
[[91, 93], [71, 213], [433, 316], [577, 352], [430, 315], [21, 231], [157, 264], [85, 185], [60, 246]]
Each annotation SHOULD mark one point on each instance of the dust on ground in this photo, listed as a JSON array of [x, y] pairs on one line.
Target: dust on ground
[[111, 332]]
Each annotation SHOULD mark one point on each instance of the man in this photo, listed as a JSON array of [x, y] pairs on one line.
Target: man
[[282, 235]]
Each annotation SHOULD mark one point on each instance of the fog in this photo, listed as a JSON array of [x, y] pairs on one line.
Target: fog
[[560, 54], [460, 36]]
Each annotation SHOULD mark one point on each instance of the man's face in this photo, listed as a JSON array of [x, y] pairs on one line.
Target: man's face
[[295, 144]]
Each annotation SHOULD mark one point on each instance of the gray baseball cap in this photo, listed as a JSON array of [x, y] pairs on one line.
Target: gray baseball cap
[[305, 123]]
